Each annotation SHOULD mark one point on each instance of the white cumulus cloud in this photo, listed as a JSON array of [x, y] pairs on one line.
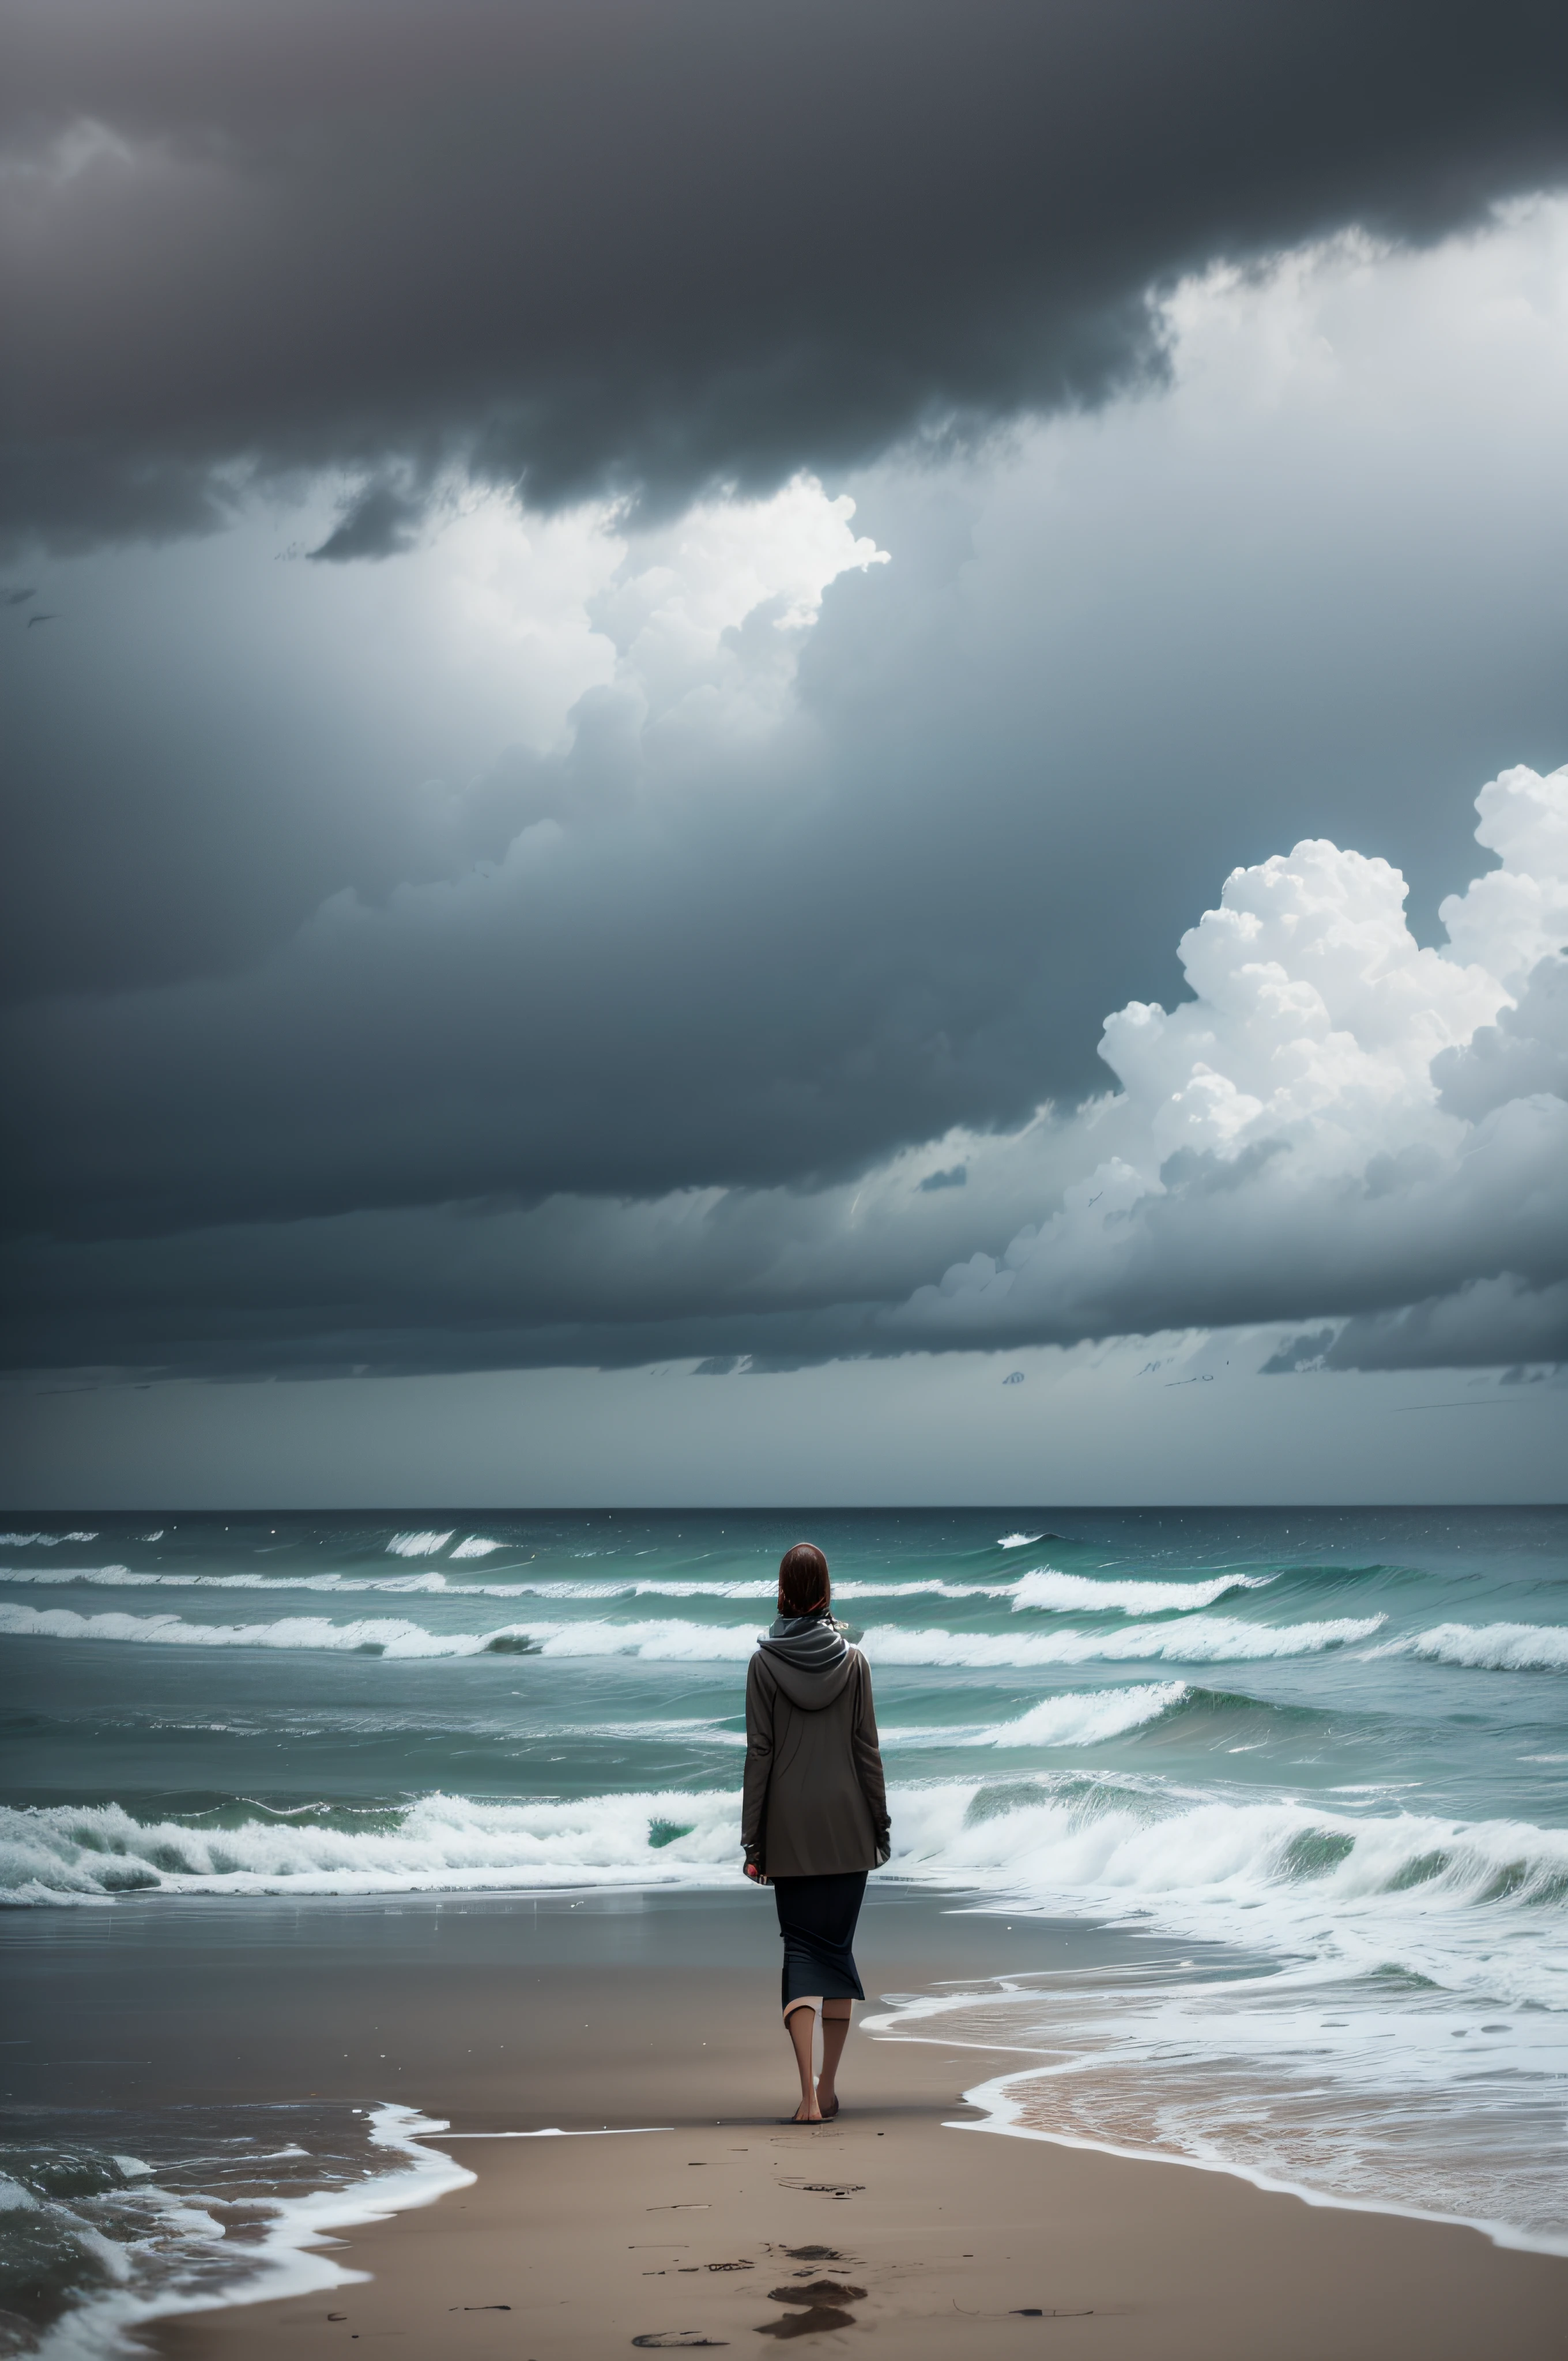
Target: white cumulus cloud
[[1341, 1123]]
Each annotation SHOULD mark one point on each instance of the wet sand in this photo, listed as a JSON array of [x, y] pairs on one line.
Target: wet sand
[[901, 2221]]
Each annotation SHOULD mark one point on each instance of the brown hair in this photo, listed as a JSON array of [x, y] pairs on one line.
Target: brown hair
[[804, 1584]]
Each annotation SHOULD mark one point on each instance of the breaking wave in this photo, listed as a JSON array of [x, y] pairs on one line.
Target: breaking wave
[[1082, 1594], [1487, 1647], [1084, 1717], [1200, 1640], [1377, 1889], [671, 1641], [432, 1583], [41, 1541]]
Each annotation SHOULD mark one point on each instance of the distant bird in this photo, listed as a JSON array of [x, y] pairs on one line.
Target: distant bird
[[35, 619], [15, 598]]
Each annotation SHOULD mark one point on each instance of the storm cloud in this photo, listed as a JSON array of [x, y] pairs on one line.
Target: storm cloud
[[655, 613], [1276, 1146], [590, 246]]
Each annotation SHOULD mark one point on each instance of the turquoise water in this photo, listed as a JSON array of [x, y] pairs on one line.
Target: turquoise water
[[1337, 1739]]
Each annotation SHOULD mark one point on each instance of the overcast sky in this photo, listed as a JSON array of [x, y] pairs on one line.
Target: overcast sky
[[801, 755]]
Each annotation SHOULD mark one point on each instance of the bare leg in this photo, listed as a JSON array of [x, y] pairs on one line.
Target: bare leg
[[801, 2026], [835, 2033]]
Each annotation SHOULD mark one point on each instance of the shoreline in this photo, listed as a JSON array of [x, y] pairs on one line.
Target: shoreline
[[591, 2244], [1504, 2236], [948, 2255], [567, 2012]]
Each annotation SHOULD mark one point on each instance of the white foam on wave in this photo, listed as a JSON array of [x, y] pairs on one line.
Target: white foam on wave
[[664, 1641], [1202, 1640], [41, 1541], [1089, 1717], [374, 1635], [428, 1582], [1078, 1594], [1473, 1906], [417, 1545], [476, 1545], [1487, 1647], [431, 1581], [61, 1577], [286, 2260], [1019, 1541], [1084, 1717], [442, 1843], [1477, 1905], [1198, 1640], [1249, 2075]]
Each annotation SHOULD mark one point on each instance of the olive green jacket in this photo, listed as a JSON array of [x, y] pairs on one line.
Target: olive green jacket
[[815, 1803]]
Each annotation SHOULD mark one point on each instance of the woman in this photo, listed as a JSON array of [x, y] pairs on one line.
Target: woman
[[814, 1816]]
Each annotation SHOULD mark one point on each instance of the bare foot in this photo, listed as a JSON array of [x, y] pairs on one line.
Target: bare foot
[[828, 2103], [799, 2116]]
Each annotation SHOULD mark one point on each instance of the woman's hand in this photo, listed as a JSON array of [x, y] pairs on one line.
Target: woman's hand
[[754, 1873]]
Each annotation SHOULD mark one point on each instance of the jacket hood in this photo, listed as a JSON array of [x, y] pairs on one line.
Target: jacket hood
[[809, 1658]]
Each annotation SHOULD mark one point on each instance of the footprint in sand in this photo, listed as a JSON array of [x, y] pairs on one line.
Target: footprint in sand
[[821, 2300], [819, 2291], [815, 2322]]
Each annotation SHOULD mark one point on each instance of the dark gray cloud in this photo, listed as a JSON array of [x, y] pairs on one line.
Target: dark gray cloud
[[1481, 1325], [381, 520], [588, 243], [776, 1280], [1274, 1151], [376, 1002]]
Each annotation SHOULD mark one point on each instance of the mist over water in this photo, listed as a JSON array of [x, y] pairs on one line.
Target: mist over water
[[1333, 1741]]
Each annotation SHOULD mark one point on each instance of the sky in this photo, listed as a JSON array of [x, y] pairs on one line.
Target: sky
[[799, 755]]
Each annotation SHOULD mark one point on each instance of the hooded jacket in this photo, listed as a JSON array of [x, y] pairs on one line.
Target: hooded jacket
[[815, 1804]]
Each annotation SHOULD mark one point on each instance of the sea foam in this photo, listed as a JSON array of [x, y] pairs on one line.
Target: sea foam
[[1487, 1647], [1082, 1594], [432, 1581], [1087, 1717], [1199, 1639], [1468, 1903], [167, 2254]]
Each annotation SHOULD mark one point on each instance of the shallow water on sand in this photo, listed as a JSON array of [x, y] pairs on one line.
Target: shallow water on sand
[[1337, 1739]]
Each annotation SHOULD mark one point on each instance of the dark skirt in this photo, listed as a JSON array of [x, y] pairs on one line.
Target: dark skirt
[[817, 1926]]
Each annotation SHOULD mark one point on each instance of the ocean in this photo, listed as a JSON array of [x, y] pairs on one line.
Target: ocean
[[1316, 1762]]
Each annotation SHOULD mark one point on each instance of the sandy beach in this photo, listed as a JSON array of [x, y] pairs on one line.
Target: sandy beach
[[902, 2220], [936, 2240]]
